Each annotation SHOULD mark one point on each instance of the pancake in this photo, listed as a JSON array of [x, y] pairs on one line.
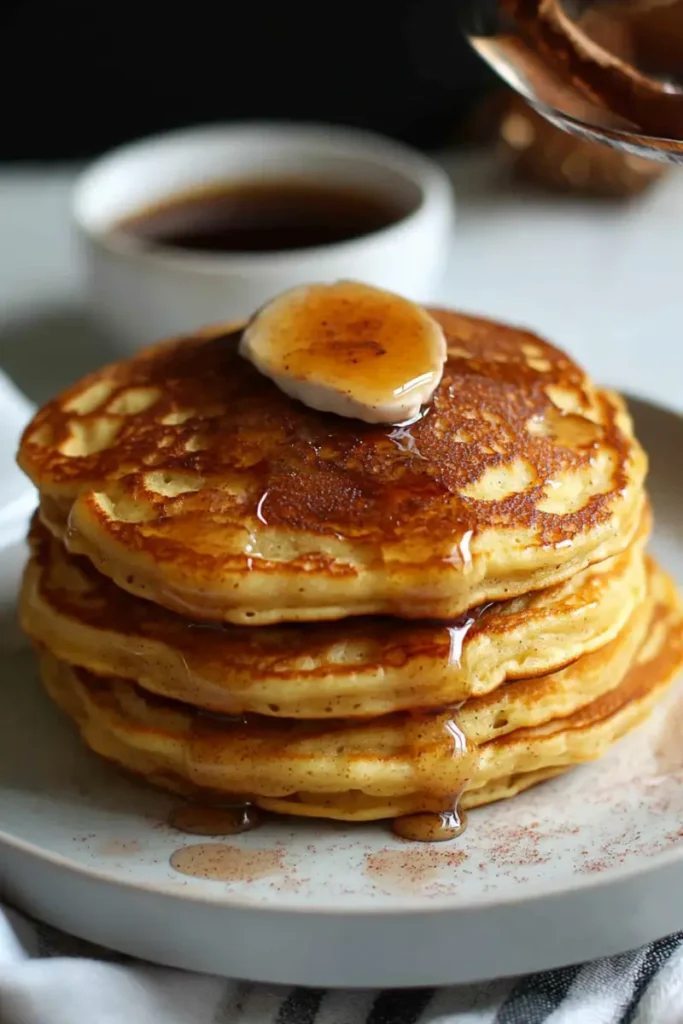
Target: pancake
[[358, 667], [386, 767], [190, 479]]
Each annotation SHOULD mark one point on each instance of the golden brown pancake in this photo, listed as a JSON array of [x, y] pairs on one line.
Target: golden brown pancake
[[191, 480], [356, 667], [398, 764]]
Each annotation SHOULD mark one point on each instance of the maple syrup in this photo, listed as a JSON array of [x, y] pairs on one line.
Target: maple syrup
[[440, 783], [202, 820], [270, 216], [219, 862], [431, 826]]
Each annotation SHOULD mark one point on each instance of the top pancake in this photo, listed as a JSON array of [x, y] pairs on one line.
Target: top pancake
[[190, 479]]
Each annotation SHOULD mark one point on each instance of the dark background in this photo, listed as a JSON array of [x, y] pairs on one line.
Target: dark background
[[78, 77]]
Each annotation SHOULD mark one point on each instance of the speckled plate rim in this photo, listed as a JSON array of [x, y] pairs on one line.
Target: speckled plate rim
[[608, 878]]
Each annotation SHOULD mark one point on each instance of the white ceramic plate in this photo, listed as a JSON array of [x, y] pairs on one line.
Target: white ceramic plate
[[587, 865]]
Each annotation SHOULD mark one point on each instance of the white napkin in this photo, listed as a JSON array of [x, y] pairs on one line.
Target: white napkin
[[17, 501], [49, 978], [17, 496], [40, 986]]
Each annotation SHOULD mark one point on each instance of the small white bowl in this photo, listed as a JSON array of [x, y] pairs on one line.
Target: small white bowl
[[140, 294]]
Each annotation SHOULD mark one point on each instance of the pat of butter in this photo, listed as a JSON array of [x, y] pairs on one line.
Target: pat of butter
[[350, 349]]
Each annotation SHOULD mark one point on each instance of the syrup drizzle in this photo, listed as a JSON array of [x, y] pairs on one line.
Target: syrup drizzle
[[458, 635], [259, 508], [464, 549], [401, 434], [405, 441], [431, 827], [442, 769], [403, 437], [442, 772], [441, 756], [448, 821], [459, 631], [201, 820]]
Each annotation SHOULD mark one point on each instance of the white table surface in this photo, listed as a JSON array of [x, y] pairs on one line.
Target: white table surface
[[602, 279]]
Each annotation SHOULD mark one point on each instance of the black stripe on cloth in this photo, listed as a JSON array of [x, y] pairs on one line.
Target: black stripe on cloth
[[654, 958], [53, 943], [535, 997], [300, 1006], [404, 1006], [231, 1004]]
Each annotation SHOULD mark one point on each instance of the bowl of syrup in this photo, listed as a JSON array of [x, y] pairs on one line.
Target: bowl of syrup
[[205, 225]]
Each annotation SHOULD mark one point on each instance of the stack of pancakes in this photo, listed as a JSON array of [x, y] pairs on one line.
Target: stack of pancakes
[[245, 600]]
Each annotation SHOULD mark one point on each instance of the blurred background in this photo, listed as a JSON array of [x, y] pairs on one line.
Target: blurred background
[[80, 77]]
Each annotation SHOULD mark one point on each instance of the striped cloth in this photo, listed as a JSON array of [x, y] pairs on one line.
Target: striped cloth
[[50, 978]]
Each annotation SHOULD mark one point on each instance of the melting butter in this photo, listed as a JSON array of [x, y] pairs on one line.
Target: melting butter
[[349, 349]]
